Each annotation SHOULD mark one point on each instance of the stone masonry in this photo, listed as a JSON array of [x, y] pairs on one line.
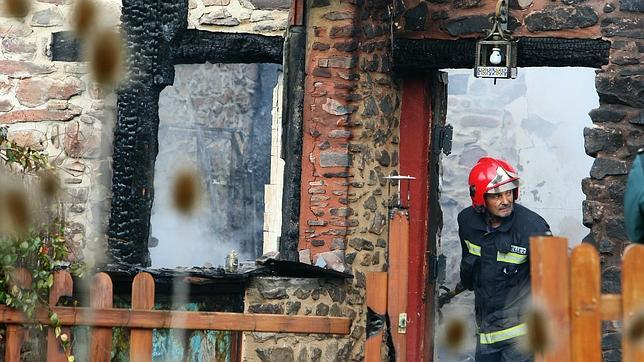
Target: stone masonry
[[57, 108]]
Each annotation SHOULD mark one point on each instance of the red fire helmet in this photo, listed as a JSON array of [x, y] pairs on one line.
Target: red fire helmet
[[492, 175]]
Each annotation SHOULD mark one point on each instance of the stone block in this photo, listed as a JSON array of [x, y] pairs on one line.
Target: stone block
[[333, 260], [5, 105], [338, 15], [561, 17], [360, 244], [345, 31], [466, 4], [320, 3], [305, 257], [219, 17], [630, 27], [271, 4], [416, 17], [631, 5], [466, 25], [76, 195], [12, 27], [603, 167], [348, 46], [216, 2], [20, 69], [336, 108], [82, 140], [48, 17], [271, 289], [598, 139], [335, 159], [626, 87], [378, 224], [18, 48], [607, 113], [320, 46], [266, 308], [38, 115], [33, 92], [276, 354], [31, 138]]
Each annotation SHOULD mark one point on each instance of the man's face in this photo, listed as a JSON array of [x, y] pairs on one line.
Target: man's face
[[500, 205]]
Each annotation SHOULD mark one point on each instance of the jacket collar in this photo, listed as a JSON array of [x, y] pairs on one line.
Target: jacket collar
[[506, 224]]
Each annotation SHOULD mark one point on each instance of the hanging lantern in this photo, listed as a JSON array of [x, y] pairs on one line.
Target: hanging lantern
[[496, 54]]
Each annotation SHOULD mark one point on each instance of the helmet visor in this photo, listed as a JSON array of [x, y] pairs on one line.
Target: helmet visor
[[509, 185]]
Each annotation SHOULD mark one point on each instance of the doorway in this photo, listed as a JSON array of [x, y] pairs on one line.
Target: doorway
[[536, 122]]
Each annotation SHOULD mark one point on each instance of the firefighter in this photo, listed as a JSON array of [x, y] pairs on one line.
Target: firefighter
[[494, 235], [634, 200]]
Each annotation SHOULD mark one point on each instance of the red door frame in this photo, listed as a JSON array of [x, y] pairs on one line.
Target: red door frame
[[415, 136]]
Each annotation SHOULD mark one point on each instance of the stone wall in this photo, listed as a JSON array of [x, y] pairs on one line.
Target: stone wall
[[448, 19], [57, 108], [350, 131], [309, 297], [617, 133], [266, 17]]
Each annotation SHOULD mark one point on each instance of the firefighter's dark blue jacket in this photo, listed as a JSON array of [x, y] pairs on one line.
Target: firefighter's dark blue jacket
[[495, 264]]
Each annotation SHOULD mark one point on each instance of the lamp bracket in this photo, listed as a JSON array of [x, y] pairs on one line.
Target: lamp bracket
[[501, 15]]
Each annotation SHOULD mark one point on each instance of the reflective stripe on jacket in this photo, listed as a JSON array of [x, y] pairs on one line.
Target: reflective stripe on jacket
[[495, 264]]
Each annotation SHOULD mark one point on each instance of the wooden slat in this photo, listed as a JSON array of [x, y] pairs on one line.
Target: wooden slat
[[377, 302], [549, 268], [142, 298], [63, 286], [632, 298], [15, 334], [585, 293], [221, 321], [235, 346], [100, 338], [398, 279], [611, 306]]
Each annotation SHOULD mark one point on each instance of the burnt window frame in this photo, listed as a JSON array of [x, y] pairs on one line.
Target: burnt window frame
[[157, 38]]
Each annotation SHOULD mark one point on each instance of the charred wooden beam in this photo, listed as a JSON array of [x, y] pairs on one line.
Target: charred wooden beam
[[292, 120], [418, 54], [197, 46]]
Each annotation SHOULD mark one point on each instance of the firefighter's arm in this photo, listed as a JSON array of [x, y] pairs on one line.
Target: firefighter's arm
[[467, 265]]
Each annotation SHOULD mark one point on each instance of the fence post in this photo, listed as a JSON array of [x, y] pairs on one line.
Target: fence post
[[550, 278], [397, 284], [377, 302], [101, 338], [585, 304], [632, 298], [16, 333], [142, 298], [63, 286]]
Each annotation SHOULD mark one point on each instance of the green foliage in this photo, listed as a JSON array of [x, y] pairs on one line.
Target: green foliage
[[41, 251], [12, 154], [40, 247]]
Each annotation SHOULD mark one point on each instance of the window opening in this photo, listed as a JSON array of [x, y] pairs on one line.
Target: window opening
[[216, 119]]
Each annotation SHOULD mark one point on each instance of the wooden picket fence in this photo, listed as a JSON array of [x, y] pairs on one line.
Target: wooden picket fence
[[141, 319], [568, 286]]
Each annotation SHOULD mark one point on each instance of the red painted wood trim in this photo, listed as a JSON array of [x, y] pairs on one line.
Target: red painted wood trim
[[414, 157]]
